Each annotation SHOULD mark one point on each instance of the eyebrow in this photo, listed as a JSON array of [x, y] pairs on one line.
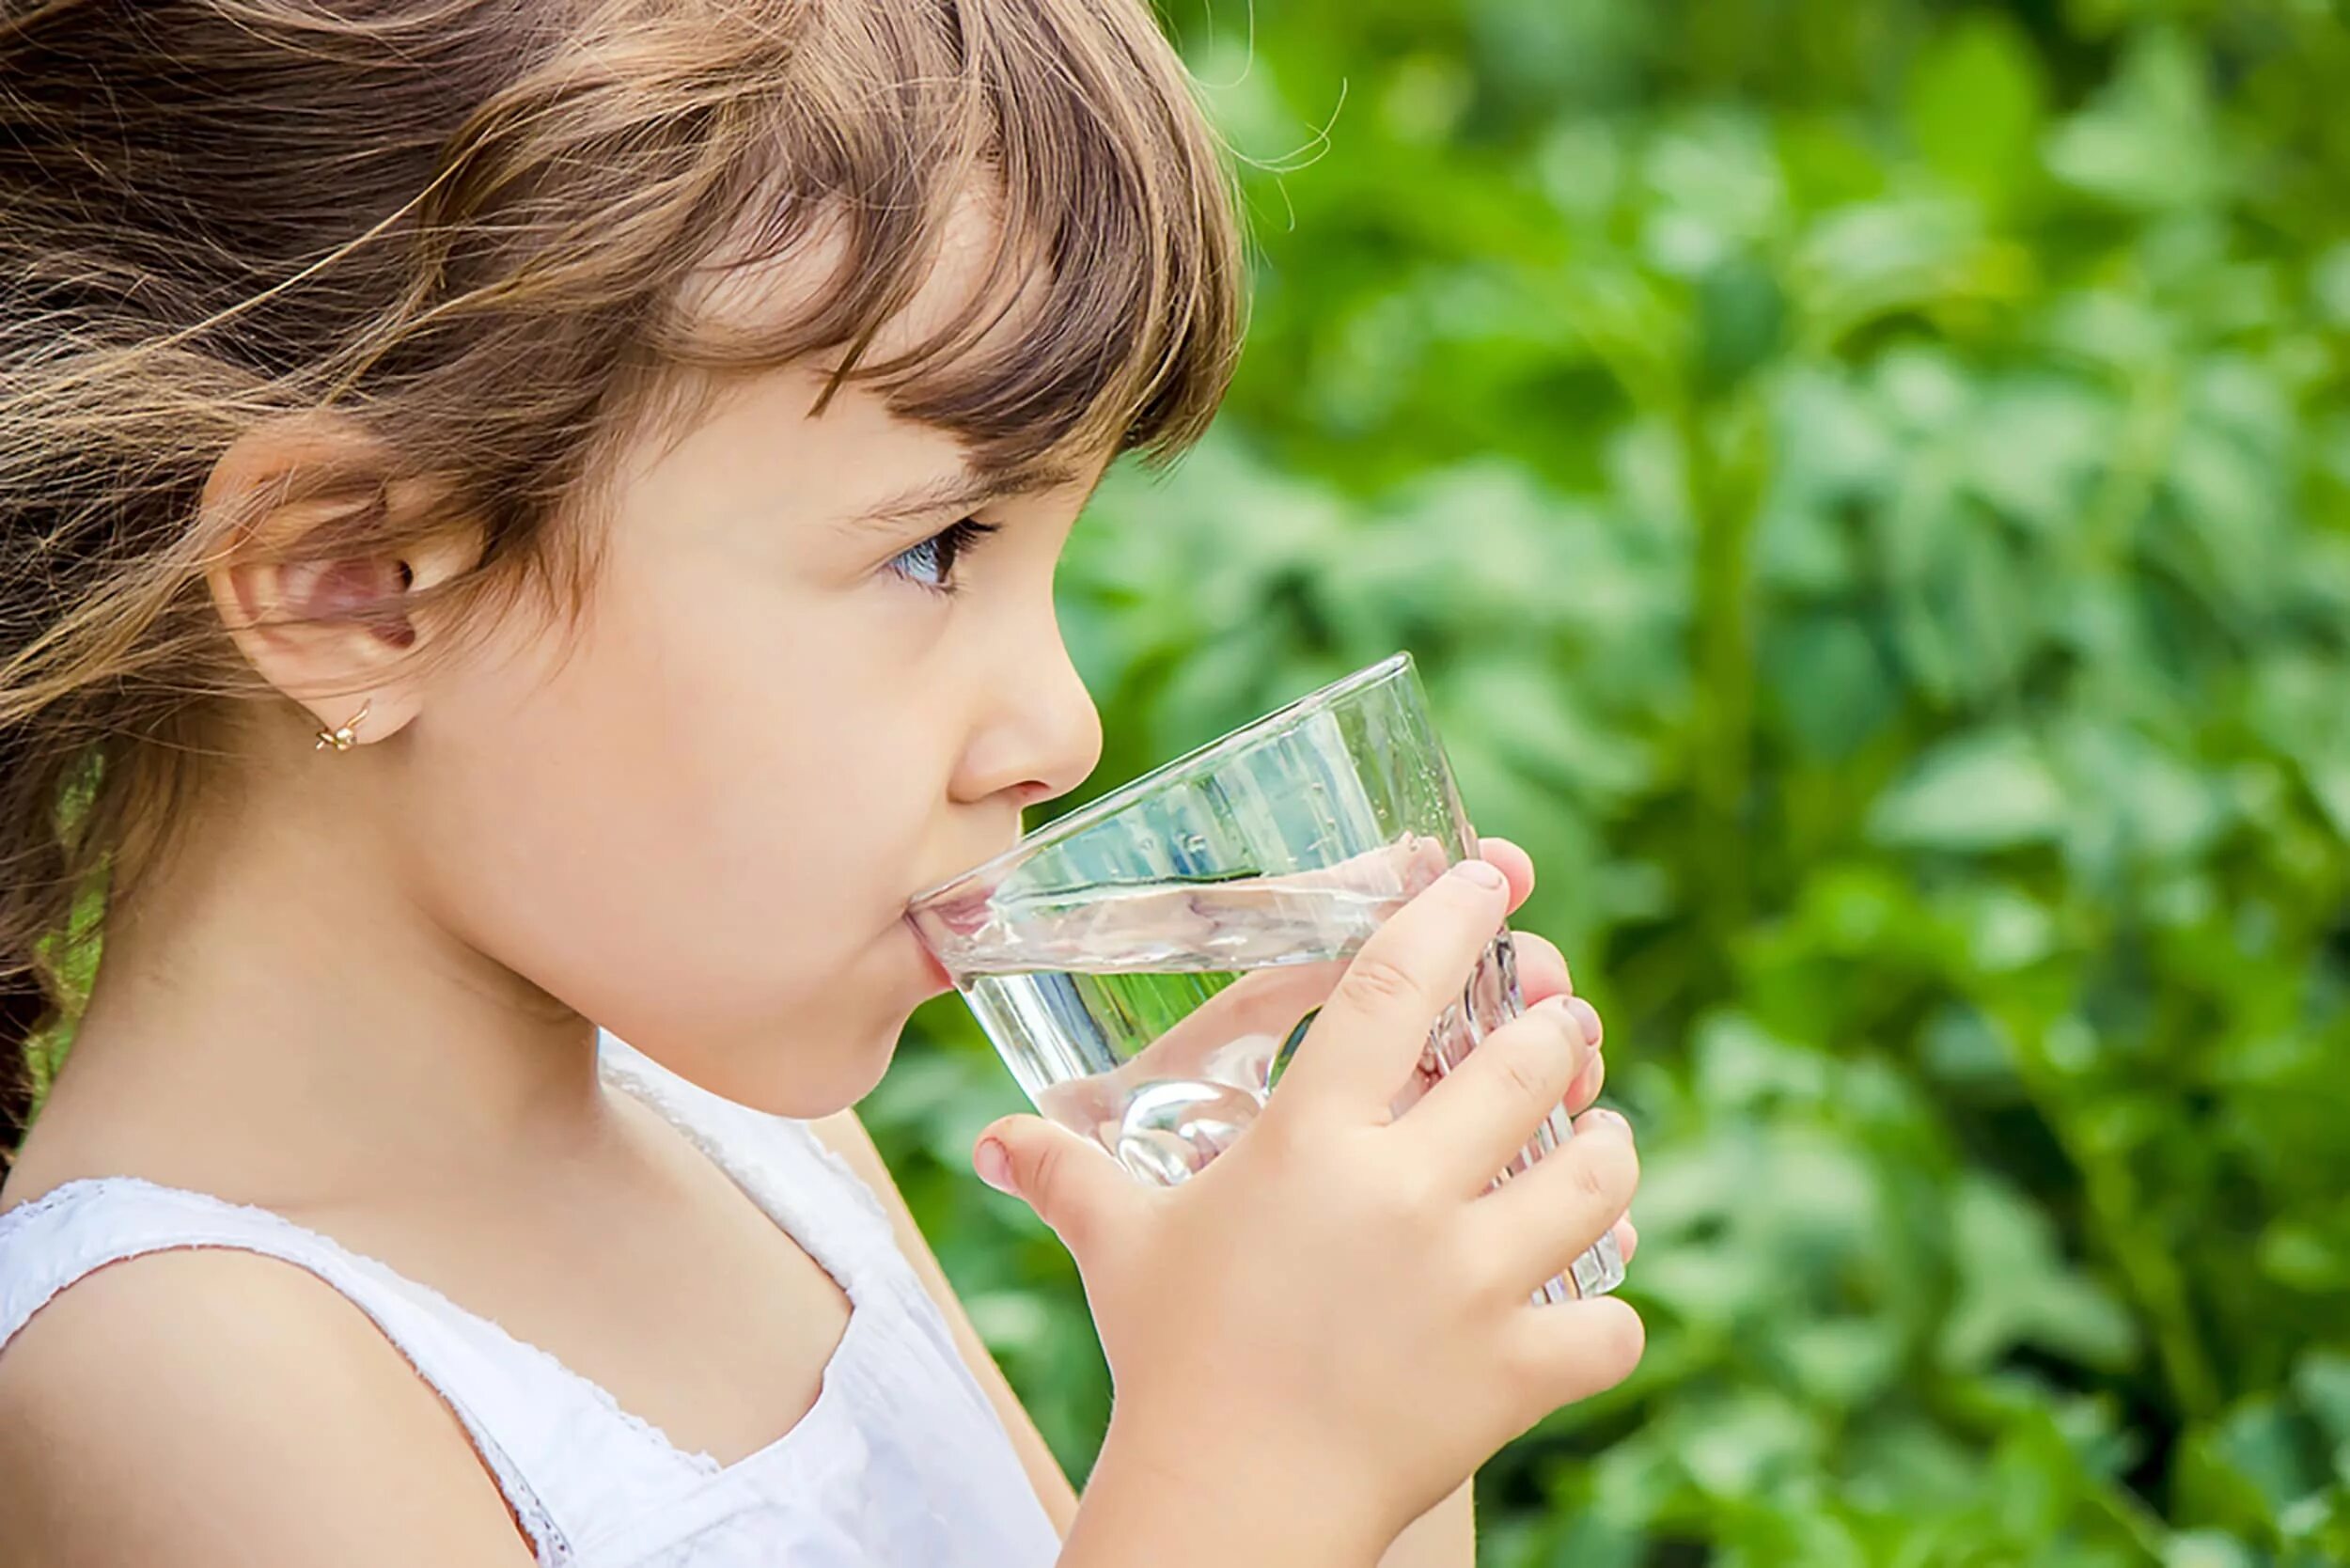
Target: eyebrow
[[956, 493]]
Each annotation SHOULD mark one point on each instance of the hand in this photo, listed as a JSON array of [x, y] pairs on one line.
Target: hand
[[1253, 1315], [1542, 973], [1234, 1037]]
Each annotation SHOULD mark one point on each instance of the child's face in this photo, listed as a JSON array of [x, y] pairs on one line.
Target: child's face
[[697, 815]]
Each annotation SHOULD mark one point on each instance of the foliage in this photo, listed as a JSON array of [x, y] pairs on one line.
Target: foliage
[[1866, 482]]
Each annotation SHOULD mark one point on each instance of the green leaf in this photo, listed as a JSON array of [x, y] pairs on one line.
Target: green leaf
[[1981, 791], [2207, 1549], [2149, 140], [2014, 1291], [1827, 677], [1970, 928], [1975, 105], [2321, 1381]]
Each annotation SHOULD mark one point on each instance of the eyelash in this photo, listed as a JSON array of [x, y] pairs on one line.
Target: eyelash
[[954, 543]]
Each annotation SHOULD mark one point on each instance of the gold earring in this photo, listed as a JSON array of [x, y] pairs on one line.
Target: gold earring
[[348, 736]]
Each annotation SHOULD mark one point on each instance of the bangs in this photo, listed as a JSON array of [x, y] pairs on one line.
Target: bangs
[[1101, 306]]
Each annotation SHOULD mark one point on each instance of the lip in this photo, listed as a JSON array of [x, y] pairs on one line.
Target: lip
[[940, 979], [963, 914]]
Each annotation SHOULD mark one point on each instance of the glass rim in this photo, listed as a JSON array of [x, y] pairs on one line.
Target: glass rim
[[1277, 721]]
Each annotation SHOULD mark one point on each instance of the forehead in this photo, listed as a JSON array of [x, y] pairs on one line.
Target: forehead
[[972, 305], [750, 288]]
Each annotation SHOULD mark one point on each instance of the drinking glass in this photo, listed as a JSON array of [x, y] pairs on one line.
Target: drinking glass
[[1148, 965]]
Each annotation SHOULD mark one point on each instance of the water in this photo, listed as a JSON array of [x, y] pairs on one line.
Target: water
[[1156, 1019]]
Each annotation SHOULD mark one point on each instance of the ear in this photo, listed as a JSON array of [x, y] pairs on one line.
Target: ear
[[322, 615]]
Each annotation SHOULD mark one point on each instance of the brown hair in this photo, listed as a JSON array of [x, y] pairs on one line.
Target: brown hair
[[474, 226]]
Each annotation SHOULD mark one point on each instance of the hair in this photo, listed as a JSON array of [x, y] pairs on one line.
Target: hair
[[477, 227]]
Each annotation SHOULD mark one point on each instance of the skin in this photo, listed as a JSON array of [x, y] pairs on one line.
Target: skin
[[361, 994]]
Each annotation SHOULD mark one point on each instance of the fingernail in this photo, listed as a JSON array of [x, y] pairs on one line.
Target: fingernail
[[993, 1164], [1614, 1119], [1484, 873], [1587, 1016]]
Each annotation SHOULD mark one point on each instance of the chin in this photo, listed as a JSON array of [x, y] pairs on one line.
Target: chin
[[810, 1084], [798, 1081], [860, 1075]]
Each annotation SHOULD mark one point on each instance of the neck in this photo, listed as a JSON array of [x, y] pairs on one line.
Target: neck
[[279, 1018]]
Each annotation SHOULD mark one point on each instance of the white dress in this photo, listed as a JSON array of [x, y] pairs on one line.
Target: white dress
[[901, 1462]]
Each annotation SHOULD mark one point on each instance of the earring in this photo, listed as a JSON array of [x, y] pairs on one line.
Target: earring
[[348, 736]]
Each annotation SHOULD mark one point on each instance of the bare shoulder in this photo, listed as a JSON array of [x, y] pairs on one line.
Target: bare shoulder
[[205, 1408]]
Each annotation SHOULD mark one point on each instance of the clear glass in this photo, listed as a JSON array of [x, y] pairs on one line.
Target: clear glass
[[1148, 964]]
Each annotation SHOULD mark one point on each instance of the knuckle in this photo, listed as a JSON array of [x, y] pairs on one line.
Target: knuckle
[[1380, 984], [1284, 1139], [1492, 1268], [1414, 1197], [1049, 1187], [1595, 1180], [1529, 1070], [1043, 1181], [1413, 1200]]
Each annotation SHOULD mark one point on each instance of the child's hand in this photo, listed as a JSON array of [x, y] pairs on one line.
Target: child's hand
[[1326, 1330]]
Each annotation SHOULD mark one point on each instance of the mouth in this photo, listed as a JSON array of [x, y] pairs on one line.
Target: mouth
[[964, 916], [940, 979]]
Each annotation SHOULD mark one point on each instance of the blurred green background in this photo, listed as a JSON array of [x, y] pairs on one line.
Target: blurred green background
[[1868, 482]]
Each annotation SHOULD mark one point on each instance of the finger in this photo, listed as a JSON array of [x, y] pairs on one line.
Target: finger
[[1589, 1082], [1574, 1349], [1369, 1036], [1238, 1033], [1543, 971], [1072, 1182], [1604, 1118], [1627, 1238], [1486, 1109], [1553, 1212], [1516, 864]]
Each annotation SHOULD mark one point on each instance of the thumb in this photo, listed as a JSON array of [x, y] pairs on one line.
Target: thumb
[[1070, 1182]]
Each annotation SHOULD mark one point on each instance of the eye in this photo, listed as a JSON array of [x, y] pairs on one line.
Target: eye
[[932, 563]]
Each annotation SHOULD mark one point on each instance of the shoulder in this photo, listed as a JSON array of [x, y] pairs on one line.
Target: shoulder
[[207, 1407]]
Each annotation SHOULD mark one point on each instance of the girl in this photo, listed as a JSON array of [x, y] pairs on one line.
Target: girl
[[522, 517]]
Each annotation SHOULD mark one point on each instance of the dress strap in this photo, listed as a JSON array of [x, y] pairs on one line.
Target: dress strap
[[75, 1230], [574, 1465]]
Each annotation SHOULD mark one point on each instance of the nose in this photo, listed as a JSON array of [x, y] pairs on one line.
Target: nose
[[1045, 735]]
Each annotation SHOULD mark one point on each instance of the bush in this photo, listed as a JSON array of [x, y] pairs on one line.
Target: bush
[[1866, 484]]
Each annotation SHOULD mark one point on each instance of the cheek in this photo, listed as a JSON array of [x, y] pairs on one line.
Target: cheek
[[699, 825]]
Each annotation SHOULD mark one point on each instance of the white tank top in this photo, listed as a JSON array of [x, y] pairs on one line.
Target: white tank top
[[901, 1462]]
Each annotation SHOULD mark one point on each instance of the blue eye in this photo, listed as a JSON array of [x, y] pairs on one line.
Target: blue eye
[[932, 563]]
